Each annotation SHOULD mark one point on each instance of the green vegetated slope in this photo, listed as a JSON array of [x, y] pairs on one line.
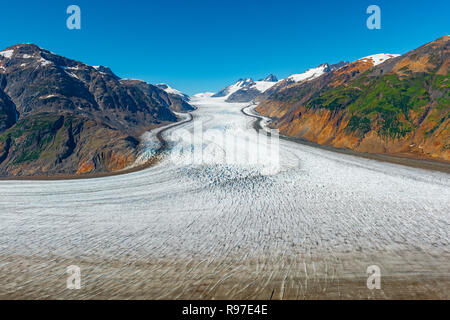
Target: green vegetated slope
[[400, 106], [392, 105], [61, 144]]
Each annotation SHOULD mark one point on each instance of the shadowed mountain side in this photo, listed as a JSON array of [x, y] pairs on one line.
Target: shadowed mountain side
[[60, 116]]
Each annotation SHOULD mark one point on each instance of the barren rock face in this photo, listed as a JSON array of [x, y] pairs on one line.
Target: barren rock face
[[7, 112], [60, 116], [400, 106]]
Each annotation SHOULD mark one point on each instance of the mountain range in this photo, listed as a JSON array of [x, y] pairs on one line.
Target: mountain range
[[247, 90], [61, 116], [394, 104], [383, 103]]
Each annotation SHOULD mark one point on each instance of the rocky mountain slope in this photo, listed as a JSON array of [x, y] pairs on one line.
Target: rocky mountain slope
[[60, 116], [378, 104], [173, 91], [179, 101]]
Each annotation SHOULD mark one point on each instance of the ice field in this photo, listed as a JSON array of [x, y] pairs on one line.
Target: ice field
[[229, 213]]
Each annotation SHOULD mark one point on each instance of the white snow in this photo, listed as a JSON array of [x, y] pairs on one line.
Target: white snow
[[48, 96], [97, 68], [69, 71], [308, 75], [150, 143], [44, 62], [247, 84], [236, 86], [379, 58], [263, 86], [203, 95], [7, 53], [73, 75], [171, 90]]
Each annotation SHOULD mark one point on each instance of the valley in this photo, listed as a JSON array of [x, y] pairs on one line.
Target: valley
[[214, 230]]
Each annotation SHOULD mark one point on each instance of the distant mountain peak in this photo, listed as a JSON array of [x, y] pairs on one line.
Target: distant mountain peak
[[23, 56], [171, 90], [270, 78], [229, 90], [338, 65], [242, 82], [245, 90], [24, 46]]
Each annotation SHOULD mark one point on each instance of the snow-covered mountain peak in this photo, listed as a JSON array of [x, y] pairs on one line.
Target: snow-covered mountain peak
[[245, 90], [26, 55], [171, 90], [270, 78], [228, 91]]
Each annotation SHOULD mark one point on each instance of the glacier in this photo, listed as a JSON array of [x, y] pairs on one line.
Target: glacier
[[214, 229]]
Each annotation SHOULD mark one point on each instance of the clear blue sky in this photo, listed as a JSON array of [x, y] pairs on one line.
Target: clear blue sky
[[202, 45]]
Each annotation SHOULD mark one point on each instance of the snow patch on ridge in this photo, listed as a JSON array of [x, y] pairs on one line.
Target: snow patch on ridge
[[309, 74], [7, 53], [263, 86], [379, 58], [238, 85], [44, 62], [245, 84], [170, 90]]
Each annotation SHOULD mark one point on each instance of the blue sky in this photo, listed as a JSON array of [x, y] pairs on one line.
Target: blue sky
[[203, 45]]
